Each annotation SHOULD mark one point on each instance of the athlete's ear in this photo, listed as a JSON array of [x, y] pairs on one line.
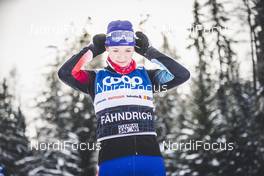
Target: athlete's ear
[[107, 48]]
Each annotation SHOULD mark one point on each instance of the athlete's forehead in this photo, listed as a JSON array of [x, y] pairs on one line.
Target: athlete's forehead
[[120, 47]]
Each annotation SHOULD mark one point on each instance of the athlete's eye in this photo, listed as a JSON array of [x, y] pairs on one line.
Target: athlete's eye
[[128, 50], [115, 51]]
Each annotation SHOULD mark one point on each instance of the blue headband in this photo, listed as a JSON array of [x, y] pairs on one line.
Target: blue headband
[[120, 33]]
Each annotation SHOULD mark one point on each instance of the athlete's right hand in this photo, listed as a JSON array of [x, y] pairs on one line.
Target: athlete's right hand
[[98, 45]]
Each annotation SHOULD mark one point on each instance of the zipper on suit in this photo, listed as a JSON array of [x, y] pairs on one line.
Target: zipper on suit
[[135, 144]]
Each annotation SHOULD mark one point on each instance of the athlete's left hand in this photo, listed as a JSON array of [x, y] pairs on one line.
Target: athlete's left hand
[[142, 43]]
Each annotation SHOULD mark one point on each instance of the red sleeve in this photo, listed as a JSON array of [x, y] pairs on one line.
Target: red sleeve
[[77, 72], [73, 74]]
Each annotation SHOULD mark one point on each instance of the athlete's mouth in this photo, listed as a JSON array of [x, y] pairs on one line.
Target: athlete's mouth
[[121, 62]]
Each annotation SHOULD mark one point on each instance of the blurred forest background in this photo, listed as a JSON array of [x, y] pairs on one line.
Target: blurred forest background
[[223, 106]]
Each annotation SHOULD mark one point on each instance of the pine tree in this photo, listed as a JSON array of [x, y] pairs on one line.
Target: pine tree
[[199, 124], [82, 112], [236, 108], [55, 129], [250, 23], [259, 22], [13, 142], [67, 116], [222, 112], [169, 111]]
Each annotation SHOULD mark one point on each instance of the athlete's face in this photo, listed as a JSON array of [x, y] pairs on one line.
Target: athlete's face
[[121, 55]]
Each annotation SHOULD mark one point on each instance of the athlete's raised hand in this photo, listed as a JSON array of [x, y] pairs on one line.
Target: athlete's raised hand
[[98, 45], [142, 43]]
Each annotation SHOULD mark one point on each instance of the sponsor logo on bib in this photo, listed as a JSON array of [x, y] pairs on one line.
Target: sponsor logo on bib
[[128, 128], [136, 80]]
